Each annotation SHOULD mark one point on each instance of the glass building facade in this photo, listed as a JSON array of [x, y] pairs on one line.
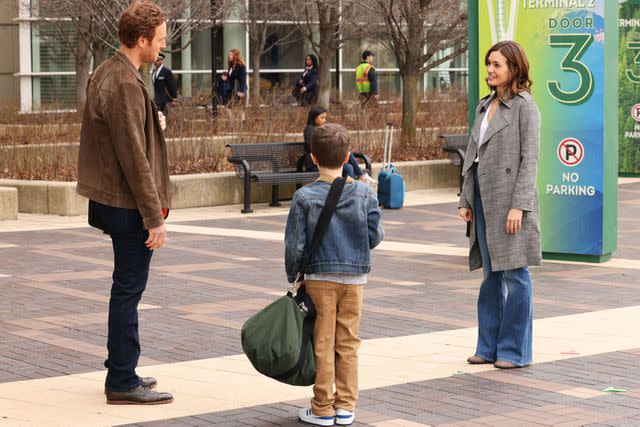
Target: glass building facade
[[47, 63]]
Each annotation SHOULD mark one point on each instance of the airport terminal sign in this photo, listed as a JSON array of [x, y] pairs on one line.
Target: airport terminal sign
[[629, 91], [572, 46]]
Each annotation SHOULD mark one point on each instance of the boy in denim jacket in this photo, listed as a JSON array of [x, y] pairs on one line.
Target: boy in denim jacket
[[335, 274]]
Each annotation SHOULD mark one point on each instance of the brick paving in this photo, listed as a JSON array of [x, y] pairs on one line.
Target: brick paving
[[55, 287], [541, 395]]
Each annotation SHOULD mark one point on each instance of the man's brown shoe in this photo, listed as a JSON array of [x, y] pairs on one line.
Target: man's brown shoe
[[148, 382], [477, 360], [503, 364], [138, 396]]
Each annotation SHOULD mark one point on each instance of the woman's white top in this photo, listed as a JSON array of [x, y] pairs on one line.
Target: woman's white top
[[483, 129]]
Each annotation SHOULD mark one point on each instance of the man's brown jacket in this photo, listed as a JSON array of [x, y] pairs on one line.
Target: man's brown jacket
[[123, 155]]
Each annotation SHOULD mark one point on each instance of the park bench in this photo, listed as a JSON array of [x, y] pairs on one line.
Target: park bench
[[456, 146], [273, 164]]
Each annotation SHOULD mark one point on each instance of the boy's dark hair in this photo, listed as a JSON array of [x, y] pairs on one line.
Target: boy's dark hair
[[330, 145], [140, 19]]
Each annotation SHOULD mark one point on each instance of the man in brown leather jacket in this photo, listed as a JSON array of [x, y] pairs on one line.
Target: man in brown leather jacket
[[123, 170]]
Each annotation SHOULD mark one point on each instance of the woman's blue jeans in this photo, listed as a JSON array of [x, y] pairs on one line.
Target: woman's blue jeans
[[352, 168], [505, 319]]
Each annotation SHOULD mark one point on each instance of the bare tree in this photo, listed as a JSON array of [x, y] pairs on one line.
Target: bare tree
[[95, 28], [415, 31], [326, 24], [262, 35]]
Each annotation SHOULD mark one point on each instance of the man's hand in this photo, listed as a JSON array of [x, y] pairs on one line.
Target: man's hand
[[466, 214], [157, 237], [303, 89], [376, 96], [163, 120], [514, 221]]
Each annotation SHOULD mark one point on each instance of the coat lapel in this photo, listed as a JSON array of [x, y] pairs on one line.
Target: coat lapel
[[475, 135], [475, 131], [497, 123]]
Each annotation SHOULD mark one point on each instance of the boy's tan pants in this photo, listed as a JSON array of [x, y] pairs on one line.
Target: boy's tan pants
[[336, 343]]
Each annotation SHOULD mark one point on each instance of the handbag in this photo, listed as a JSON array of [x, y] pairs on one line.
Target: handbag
[[278, 340]]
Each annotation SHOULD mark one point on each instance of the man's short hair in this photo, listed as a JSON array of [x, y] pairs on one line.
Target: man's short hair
[[366, 54], [140, 20], [330, 145]]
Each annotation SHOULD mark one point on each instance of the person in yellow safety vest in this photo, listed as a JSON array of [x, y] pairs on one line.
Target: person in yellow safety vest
[[366, 79]]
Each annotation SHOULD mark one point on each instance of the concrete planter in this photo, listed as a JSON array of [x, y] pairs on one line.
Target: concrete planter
[[210, 189], [8, 203]]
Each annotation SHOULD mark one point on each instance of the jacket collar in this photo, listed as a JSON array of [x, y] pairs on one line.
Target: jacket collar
[[119, 56], [329, 179], [506, 102]]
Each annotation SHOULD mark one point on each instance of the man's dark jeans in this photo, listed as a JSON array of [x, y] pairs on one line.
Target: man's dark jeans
[[131, 269]]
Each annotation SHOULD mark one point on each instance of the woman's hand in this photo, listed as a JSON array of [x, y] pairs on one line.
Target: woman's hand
[[240, 94], [466, 214], [514, 221]]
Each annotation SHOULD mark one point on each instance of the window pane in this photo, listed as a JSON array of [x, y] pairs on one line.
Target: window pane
[[290, 48], [57, 92], [197, 85], [50, 46]]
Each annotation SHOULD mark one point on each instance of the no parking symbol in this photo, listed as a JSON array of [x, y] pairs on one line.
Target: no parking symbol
[[570, 152]]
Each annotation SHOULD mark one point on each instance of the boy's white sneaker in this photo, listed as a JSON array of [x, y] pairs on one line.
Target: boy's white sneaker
[[344, 417], [307, 416]]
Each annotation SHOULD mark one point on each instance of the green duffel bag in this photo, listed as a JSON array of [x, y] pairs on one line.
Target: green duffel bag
[[278, 340]]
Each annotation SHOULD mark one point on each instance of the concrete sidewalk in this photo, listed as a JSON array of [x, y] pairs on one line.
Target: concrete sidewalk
[[220, 267]]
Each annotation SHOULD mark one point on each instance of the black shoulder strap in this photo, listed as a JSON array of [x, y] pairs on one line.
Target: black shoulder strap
[[325, 218]]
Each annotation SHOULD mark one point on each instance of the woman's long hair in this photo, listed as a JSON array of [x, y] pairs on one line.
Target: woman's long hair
[[313, 113], [518, 67], [237, 59], [314, 60]]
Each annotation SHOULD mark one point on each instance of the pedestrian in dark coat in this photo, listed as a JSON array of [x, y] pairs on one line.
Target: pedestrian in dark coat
[[165, 86], [237, 76], [306, 88]]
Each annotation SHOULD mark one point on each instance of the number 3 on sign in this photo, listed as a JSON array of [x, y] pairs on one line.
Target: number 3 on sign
[[630, 74], [578, 44]]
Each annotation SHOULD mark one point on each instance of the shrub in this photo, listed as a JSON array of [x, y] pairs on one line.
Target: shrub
[[44, 146]]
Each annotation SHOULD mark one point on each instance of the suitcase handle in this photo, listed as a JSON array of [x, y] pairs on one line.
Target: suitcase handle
[[388, 145]]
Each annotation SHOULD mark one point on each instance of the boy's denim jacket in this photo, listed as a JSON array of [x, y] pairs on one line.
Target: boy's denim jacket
[[353, 231]]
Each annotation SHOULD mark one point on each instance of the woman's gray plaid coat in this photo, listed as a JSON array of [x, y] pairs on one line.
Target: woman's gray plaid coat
[[507, 170]]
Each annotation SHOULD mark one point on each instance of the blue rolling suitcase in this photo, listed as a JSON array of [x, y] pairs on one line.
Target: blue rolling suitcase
[[390, 183]]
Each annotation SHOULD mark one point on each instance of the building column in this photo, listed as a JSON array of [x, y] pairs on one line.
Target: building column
[[24, 34]]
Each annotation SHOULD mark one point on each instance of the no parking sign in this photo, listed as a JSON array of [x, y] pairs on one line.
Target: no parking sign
[[570, 152]]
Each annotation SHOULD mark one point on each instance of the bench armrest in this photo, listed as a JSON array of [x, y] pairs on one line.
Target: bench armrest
[[365, 159], [456, 151], [240, 161]]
